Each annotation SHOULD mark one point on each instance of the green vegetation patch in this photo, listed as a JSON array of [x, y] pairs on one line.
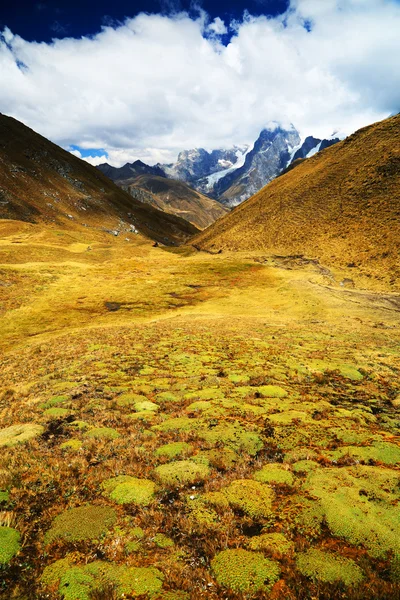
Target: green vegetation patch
[[80, 582], [234, 436], [56, 413], [275, 543], [167, 398], [80, 425], [244, 572], [271, 391], [133, 546], [9, 544], [4, 496], [81, 523], [274, 473], [55, 401], [71, 445], [252, 497], [305, 466], [163, 541], [328, 567], [18, 434], [179, 424], [146, 405], [183, 472], [360, 505], [107, 433], [129, 398], [174, 449], [383, 452], [125, 489]]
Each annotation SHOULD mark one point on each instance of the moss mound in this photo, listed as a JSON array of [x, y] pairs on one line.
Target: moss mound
[[328, 567], [129, 490], [107, 433], [275, 543], [253, 497], [9, 544], [305, 466], [129, 398], [56, 413], [80, 582], [166, 398], [146, 405], [244, 572], [82, 523], [183, 472], [174, 449], [71, 445], [383, 452], [360, 505], [274, 473], [18, 434], [271, 391], [234, 436], [163, 541]]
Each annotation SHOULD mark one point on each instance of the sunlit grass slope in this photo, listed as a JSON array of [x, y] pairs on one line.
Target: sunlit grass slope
[[177, 425], [342, 206]]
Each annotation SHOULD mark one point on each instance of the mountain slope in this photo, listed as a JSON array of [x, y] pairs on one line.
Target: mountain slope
[[341, 206], [40, 181], [270, 155], [177, 198]]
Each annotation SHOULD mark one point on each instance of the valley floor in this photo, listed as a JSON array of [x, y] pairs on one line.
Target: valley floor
[[181, 425]]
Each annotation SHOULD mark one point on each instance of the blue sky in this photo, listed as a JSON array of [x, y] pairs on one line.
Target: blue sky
[[110, 82], [42, 20]]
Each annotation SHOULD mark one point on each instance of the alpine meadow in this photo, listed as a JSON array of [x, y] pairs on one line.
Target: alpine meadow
[[199, 359]]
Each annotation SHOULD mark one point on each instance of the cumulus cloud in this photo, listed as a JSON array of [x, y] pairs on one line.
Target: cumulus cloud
[[154, 85]]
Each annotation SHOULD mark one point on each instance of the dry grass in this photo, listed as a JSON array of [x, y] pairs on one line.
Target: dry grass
[[204, 337]]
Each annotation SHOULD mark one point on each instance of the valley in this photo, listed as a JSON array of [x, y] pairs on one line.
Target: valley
[[181, 425]]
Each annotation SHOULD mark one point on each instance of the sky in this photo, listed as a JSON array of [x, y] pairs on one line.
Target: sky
[[120, 81]]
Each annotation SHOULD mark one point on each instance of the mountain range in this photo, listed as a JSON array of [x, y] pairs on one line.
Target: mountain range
[[232, 175]]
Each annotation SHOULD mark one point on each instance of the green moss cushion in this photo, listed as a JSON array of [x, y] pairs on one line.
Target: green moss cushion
[[9, 544], [125, 489], [82, 523], [244, 572], [328, 567]]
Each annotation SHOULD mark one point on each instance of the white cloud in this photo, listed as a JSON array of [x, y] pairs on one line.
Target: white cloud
[[154, 85], [218, 27]]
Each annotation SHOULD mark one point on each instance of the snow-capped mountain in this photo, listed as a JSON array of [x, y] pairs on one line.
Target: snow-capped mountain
[[311, 146], [231, 175], [269, 156], [201, 169]]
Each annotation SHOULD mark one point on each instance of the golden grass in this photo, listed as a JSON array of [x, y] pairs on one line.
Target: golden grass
[[250, 360]]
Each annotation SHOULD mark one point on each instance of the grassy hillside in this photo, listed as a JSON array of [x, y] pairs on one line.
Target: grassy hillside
[[342, 207], [40, 182], [177, 198]]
